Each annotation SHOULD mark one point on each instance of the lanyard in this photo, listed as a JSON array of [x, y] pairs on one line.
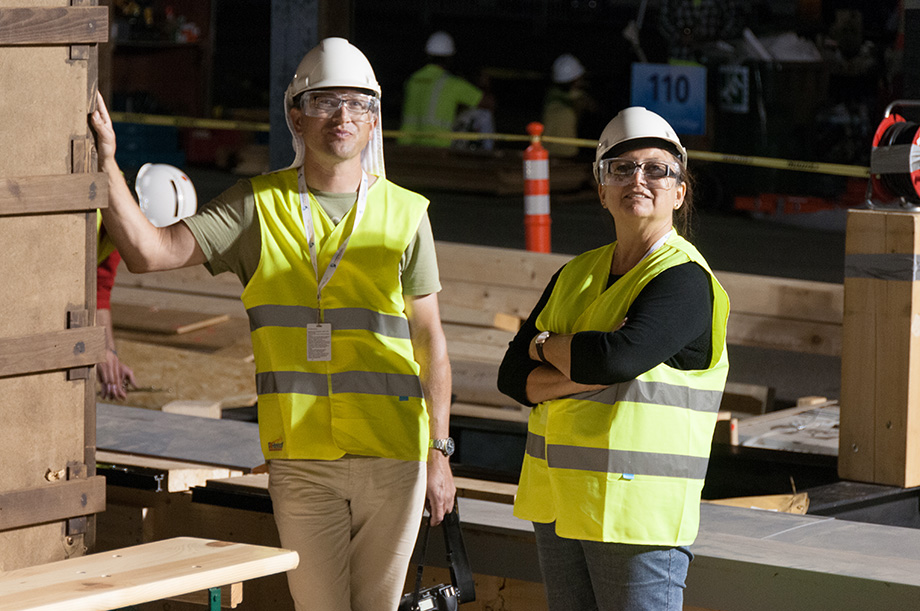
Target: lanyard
[[656, 245], [311, 231]]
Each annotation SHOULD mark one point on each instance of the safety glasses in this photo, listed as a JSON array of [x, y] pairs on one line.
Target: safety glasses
[[324, 104], [658, 174]]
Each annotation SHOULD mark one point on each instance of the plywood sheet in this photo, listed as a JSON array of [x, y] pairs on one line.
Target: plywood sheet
[[43, 276], [40, 121], [42, 428], [152, 319]]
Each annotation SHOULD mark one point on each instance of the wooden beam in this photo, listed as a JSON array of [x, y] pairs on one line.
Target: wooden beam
[[61, 193], [138, 574], [52, 26], [78, 347], [56, 501]]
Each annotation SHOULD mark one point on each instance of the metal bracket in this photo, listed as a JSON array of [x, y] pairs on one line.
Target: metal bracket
[[78, 319]]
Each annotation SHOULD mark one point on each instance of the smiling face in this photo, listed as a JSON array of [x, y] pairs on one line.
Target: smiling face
[[339, 137], [637, 205]]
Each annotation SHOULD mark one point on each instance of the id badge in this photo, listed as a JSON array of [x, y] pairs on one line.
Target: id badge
[[319, 341]]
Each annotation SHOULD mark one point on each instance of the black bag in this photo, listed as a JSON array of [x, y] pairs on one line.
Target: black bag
[[442, 597]]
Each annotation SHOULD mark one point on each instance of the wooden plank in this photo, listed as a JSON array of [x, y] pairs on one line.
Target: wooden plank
[[195, 280], [506, 267], [53, 26], [50, 351], [179, 475], [785, 298], [56, 501], [61, 193], [156, 320], [138, 574], [784, 334], [509, 414], [498, 492], [171, 300]]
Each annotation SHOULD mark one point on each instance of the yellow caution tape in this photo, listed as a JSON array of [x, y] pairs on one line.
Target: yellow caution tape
[[132, 117], [836, 169]]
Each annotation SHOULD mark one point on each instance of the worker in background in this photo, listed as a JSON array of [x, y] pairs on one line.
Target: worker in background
[[567, 102], [689, 25], [114, 377], [352, 374], [623, 360], [434, 97], [166, 195]]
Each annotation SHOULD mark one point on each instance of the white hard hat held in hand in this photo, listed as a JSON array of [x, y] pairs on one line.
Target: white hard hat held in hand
[[165, 193]]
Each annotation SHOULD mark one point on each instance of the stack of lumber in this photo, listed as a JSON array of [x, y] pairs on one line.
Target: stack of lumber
[[186, 335]]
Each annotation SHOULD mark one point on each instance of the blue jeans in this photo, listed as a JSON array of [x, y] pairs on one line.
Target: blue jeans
[[594, 576]]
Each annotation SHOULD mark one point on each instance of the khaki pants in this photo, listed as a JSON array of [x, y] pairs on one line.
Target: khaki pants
[[354, 522]]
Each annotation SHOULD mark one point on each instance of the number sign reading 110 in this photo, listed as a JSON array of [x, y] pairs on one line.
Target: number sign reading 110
[[677, 93]]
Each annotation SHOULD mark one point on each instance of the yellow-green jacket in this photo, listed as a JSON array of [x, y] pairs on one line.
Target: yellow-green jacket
[[367, 400], [433, 96], [625, 464]]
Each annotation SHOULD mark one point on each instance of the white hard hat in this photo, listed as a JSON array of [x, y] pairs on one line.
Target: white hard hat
[[165, 193], [440, 44], [335, 62], [567, 68], [638, 123]]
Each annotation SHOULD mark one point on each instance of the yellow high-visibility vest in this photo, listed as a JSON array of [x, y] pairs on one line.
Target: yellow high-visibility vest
[[625, 464], [367, 399]]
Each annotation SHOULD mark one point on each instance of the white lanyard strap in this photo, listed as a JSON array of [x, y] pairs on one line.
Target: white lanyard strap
[[656, 245], [310, 230]]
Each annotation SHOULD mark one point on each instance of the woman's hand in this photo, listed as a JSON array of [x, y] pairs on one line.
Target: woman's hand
[[114, 377]]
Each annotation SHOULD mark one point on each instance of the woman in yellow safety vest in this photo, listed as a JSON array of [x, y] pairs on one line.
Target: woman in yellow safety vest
[[624, 362]]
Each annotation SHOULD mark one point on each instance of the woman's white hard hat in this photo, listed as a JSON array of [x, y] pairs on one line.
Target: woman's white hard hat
[[638, 123], [165, 193], [440, 44], [335, 62], [567, 68]]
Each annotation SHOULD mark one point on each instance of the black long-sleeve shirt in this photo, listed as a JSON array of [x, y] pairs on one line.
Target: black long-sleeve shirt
[[669, 322]]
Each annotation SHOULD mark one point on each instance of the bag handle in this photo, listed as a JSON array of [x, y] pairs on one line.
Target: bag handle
[[461, 575]]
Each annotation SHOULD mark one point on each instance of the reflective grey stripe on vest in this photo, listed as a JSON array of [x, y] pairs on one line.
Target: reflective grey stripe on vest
[[883, 267], [435, 96], [603, 460], [388, 325], [658, 393], [317, 384]]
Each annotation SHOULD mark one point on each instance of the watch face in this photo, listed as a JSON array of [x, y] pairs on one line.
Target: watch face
[[449, 446]]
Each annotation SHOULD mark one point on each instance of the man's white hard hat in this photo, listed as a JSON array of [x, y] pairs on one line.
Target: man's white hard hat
[[567, 68], [440, 44], [639, 127], [165, 194], [335, 62]]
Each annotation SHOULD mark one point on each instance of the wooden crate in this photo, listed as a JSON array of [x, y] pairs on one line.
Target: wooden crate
[[48, 346], [880, 381]]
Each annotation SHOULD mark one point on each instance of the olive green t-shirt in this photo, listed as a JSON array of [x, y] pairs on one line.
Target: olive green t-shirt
[[227, 230]]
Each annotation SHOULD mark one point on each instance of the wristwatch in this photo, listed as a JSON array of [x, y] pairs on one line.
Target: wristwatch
[[538, 343], [445, 446]]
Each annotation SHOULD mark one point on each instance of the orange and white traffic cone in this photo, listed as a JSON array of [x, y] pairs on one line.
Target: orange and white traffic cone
[[536, 192]]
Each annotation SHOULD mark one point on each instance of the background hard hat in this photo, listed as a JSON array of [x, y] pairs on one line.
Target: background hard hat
[[165, 193], [334, 62], [440, 44], [634, 123], [567, 68]]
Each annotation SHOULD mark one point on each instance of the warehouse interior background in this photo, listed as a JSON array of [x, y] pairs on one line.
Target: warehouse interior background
[[822, 103]]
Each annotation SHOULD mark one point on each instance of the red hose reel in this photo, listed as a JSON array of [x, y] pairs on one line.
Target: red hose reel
[[895, 161]]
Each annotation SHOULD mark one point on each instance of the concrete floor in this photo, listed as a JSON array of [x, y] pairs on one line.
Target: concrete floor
[[810, 249]]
